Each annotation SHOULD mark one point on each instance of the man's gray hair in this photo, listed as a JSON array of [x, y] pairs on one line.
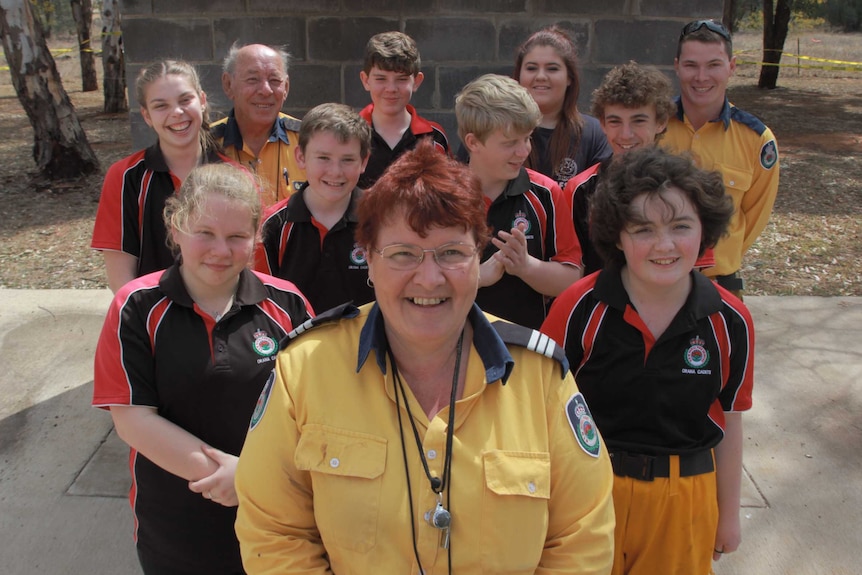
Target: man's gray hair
[[229, 64]]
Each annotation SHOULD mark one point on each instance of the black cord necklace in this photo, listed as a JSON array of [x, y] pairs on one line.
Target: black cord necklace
[[439, 517]]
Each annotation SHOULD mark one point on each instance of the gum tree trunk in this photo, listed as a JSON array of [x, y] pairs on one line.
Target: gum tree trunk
[[82, 12], [60, 147], [113, 61], [776, 22]]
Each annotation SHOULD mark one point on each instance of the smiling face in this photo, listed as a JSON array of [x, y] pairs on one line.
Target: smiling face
[[500, 157], [661, 242], [424, 308], [390, 90], [332, 167], [258, 87], [216, 245], [704, 70], [630, 128], [174, 109], [544, 74]]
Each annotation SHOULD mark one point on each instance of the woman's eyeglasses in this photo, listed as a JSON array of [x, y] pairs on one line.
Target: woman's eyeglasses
[[451, 256], [711, 25]]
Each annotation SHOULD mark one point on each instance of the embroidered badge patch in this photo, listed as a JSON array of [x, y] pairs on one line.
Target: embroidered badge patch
[[768, 154], [264, 345], [696, 355], [358, 256], [262, 400], [582, 424], [521, 219]]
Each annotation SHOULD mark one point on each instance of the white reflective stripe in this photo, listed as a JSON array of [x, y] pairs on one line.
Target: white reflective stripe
[[296, 332], [541, 343]]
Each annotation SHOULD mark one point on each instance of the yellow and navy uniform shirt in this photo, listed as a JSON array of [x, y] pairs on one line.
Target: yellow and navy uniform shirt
[[275, 165], [656, 397], [322, 483], [744, 150]]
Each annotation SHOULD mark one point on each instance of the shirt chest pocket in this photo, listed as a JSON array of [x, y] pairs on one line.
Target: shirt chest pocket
[[515, 510], [737, 181], [346, 468]]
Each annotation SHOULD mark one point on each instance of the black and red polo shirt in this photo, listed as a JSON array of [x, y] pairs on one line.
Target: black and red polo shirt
[[537, 201], [382, 155], [656, 397], [129, 218], [158, 349], [328, 266]]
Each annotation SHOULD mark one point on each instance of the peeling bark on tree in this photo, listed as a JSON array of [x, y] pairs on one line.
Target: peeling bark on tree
[[776, 23], [113, 61], [82, 12], [60, 148]]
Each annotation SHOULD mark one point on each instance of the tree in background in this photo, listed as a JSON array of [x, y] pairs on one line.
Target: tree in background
[[82, 12], [113, 61], [844, 14], [60, 147], [776, 23]]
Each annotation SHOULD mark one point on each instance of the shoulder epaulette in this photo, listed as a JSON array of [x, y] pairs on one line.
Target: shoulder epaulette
[[747, 119], [336, 314], [290, 124], [514, 334]]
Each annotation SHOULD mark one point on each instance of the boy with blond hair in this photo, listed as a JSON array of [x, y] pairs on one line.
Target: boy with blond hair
[[391, 74], [308, 237], [534, 254]]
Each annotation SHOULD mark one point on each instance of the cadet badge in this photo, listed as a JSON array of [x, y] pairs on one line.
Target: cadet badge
[[696, 356], [521, 218], [768, 154], [262, 400], [582, 424], [358, 255], [264, 345]]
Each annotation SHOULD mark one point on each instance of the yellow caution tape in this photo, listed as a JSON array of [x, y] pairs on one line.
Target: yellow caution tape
[[847, 66]]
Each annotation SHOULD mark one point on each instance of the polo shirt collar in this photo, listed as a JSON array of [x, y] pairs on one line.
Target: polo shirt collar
[[233, 137], [418, 124], [723, 116], [702, 301], [298, 210], [250, 290], [495, 355], [154, 159], [518, 185]]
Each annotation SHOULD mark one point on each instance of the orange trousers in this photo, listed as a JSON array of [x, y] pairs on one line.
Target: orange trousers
[[666, 526]]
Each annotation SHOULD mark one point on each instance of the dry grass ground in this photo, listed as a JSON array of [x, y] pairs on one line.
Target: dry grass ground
[[811, 247]]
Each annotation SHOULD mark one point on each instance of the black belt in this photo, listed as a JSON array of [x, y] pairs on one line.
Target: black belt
[[731, 282], [648, 467]]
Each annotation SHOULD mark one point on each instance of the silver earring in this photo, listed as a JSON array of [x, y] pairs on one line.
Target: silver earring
[[369, 283]]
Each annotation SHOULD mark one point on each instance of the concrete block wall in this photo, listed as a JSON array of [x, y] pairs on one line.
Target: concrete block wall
[[458, 40]]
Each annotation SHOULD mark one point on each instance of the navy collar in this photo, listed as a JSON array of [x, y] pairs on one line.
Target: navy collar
[[723, 116], [233, 137], [495, 355]]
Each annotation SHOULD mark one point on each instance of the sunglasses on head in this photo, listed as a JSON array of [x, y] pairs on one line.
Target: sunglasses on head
[[711, 25]]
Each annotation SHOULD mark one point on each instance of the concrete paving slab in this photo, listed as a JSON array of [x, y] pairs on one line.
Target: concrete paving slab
[[64, 475]]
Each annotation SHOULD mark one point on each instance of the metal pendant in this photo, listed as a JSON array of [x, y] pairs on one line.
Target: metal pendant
[[441, 519]]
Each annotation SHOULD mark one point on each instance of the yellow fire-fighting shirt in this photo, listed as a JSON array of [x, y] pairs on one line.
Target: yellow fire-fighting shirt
[[322, 482], [744, 150]]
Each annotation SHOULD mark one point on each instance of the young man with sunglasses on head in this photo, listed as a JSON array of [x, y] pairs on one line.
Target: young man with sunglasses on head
[[722, 137]]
